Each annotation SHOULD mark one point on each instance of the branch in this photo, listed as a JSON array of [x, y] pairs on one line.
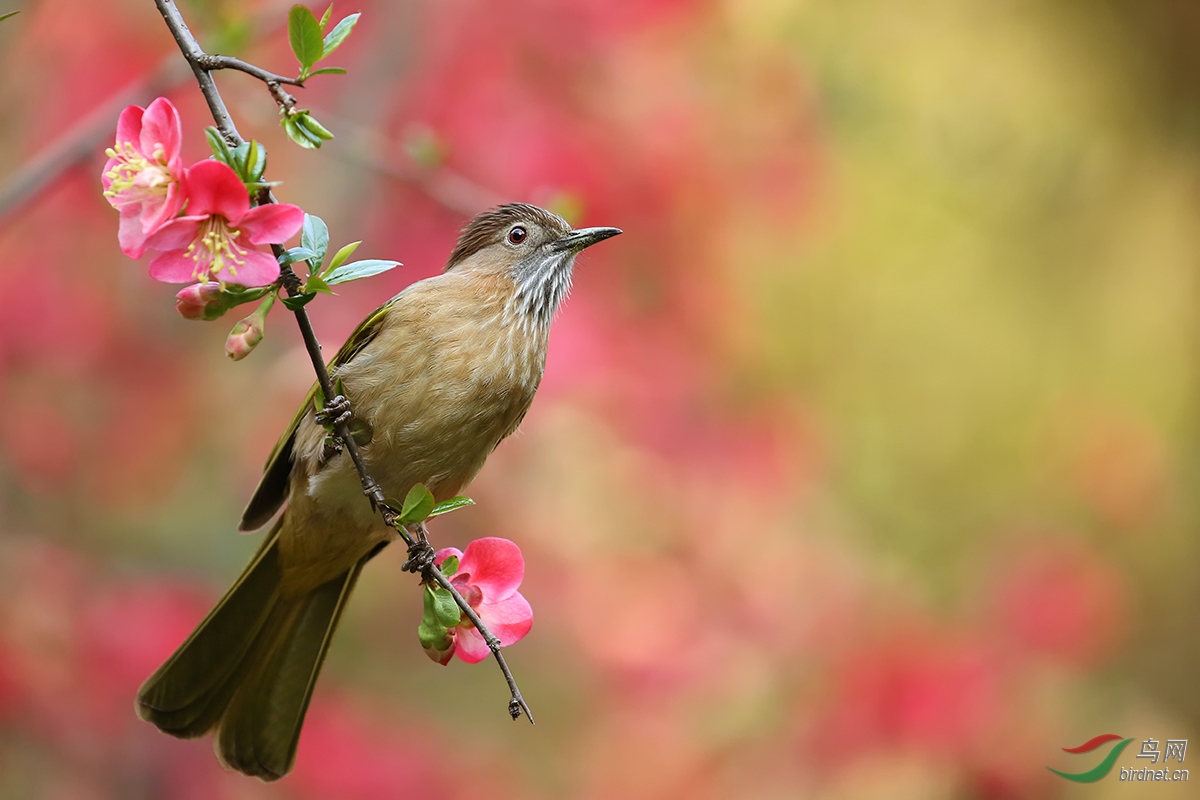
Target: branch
[[420, 553], [211, 63]]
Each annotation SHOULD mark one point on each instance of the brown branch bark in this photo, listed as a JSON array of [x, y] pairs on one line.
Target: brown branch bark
[[420, 553]]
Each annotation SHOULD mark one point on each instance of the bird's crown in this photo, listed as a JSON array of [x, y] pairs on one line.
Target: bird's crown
[[492, 226]]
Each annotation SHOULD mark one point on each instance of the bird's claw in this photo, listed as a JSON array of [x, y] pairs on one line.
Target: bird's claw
[[420, 557], [335, 412]]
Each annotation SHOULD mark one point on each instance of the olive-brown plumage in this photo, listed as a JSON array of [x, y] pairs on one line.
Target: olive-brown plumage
[[440, 375]]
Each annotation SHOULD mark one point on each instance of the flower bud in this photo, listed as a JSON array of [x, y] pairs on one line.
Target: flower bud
[[441, 649], [244, 337], [248, 332], [201, 301]]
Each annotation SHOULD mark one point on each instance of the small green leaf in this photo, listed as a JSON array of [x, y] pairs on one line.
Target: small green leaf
[[325, 16], [218, 145], [239, 155], [453, 504], [445, 610], [339, 33], [305, 35], [300, 135], [315, 128], [316, 283], [357, 270], [417, 504], [9, 14], [328, 71], [340, 256], [256, 162], [255, 186], [449, 566], [339, 387], [299, 301], [315, 236], [296, 254]]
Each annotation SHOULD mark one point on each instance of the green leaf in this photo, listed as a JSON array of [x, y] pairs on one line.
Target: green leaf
[[9, 14], [440, 614], [453, 504], [449, 566], [445, 610], [299, 135], [218, 145], [340, 256], [328, 71], [325, 16], [315, 236], [316, 283], [299, 301], [256, 162], [305, 35], [357, 270], [315, 128], [296, 254], [339, 33], [417, 504]]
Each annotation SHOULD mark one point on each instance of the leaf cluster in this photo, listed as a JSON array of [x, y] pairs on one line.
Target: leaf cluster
[[314, 244], [248, 159]]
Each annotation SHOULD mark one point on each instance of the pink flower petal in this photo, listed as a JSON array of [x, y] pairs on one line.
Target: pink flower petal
[[495, 566], [446, 552], [214, 188], [129, 127], [176, 234], [470, 646], [273, 223], [509, 620], [258, 268], [173, 267], [161, 126], [155, 218], [130, 234]]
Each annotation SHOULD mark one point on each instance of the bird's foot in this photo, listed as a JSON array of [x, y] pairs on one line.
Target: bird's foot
[[335, 412], [331, 447], [420, 556]]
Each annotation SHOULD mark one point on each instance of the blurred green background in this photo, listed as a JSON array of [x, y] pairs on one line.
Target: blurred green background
[[864, 465]]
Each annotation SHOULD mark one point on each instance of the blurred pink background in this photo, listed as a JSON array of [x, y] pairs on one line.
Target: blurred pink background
[[864, 465]]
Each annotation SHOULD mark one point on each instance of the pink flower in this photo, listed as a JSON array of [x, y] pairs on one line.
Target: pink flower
[[215, 241], [143, 173], [487, 577]]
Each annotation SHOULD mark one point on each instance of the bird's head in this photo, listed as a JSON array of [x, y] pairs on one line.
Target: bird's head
[[532, 246]]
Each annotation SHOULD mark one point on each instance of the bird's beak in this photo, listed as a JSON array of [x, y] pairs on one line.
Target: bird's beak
[[585, 237]]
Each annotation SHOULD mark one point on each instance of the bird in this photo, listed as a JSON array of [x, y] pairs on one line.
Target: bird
[[436, 378]]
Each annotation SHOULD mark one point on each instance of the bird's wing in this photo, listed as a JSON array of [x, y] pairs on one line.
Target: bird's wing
[[272, 488]]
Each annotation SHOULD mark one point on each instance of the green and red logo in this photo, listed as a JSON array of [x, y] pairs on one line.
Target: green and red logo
[[1104, 767]]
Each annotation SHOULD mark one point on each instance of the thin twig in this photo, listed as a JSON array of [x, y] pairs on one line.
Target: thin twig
[[197, 59], [210, 62]]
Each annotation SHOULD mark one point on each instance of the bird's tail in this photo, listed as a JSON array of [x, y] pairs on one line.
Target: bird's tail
[[250, 667]]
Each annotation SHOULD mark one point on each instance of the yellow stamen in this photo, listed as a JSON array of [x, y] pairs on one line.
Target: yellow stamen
[[134, 176], [215, 249]]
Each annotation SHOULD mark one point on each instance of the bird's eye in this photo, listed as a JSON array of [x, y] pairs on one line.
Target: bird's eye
[[517, 234]]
